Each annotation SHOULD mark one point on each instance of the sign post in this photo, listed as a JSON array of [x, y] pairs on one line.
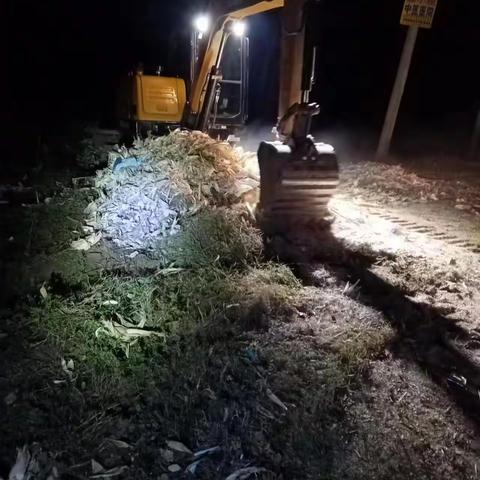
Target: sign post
[[473, 152], [415, 14]]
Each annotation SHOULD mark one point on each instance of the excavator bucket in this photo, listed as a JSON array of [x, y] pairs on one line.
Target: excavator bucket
[[296, 185]]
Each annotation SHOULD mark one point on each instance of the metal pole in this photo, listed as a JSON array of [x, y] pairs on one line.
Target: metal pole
[[398, 89], [292, 55], [193, 57], [473, 152]]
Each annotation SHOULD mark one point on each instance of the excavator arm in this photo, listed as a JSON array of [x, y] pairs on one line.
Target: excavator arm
[[239, 10]]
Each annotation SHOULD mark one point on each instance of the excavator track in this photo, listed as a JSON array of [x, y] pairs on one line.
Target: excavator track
[[434, 232]]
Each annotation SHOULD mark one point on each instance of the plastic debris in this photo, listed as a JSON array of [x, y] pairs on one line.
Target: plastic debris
[[125, 334], [68, 367], [192, 468], [10, 399], [80, 245], [86, 243], [110, 302], [167, 455], [276, 400], [113, 472], [178, 447], [207, 451], [245, 473], [97, 467], [25, 467], [43, 292], [119, 444], [252, 355], [131, 163], [174, 468]]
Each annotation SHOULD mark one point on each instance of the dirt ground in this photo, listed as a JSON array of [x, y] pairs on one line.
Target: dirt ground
[[364, 364]]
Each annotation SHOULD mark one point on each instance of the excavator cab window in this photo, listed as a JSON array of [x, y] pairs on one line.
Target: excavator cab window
[[231, 103]]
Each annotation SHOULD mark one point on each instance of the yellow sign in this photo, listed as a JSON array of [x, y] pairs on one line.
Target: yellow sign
[[418, 13]]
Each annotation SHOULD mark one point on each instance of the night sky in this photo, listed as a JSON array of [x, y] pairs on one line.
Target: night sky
[[64, 60]]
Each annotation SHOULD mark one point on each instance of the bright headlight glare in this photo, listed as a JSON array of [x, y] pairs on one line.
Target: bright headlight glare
[[202, 23], [239, 28]]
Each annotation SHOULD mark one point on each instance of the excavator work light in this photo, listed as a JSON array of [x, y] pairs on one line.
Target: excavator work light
[[239, 28], [202, 23]]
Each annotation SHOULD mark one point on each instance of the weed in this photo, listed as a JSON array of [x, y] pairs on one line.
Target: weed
[[206, 300], [70, 270], [52, 227], [361, 345], [70, 325], [219, 237]]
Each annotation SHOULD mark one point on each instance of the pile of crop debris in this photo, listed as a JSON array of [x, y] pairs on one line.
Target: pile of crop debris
[[147, 191], [395, 183]]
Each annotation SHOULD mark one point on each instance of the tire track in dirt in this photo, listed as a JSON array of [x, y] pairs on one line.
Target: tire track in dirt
[[425, 334], [428, 229]]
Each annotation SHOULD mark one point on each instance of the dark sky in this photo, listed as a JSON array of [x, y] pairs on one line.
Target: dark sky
[[64, 58], [66, 53], [361, 42]]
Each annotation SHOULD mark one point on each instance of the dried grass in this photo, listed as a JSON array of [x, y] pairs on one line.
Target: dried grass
[[201, 168], [220, 237]]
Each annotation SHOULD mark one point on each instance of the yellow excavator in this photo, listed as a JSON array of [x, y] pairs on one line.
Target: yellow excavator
[[298, 176]]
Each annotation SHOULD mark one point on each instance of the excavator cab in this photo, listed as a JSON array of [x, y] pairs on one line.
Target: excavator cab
[[230, 108], [224, 107], [219, 77]]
